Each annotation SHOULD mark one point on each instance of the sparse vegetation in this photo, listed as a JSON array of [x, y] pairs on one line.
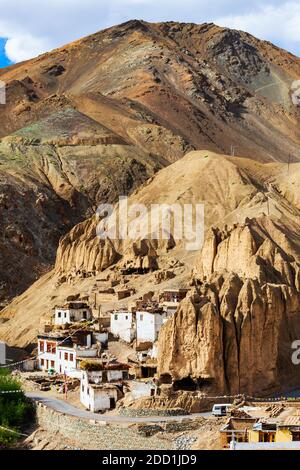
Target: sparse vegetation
[[91, 366], [15, 409]]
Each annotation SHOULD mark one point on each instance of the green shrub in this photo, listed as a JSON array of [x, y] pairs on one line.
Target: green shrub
[[15, 409], [91, 366]]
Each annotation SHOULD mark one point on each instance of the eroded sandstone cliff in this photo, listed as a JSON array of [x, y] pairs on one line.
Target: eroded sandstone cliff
[[234, 332]]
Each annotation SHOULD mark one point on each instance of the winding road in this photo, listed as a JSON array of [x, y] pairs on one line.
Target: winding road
[[64, 407]]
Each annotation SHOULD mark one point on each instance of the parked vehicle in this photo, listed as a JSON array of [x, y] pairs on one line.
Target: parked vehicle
[[221, 409]]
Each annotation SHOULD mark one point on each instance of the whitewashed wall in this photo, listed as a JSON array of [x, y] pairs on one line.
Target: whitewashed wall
[[95, 399], [114, 375], [148, 326], [101, 337], [122, 325], [66, 315], [100, 399], [66, 365], [142, 389], [2, 353]]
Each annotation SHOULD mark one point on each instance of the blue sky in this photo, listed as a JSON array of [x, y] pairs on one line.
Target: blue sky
[[34, 26], [3, 58]]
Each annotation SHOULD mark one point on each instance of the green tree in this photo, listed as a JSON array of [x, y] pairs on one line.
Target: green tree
[[15, 409]]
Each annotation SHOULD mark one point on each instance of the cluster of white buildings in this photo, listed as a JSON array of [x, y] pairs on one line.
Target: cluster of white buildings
[[62, 352], [144, 324], [66, 350], [63, 355]]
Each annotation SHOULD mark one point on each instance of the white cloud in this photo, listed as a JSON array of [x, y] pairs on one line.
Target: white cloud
[[22, 47], [35, 26], [279, 24]]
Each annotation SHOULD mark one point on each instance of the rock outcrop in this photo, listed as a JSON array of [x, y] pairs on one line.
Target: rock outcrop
[[234, 332]]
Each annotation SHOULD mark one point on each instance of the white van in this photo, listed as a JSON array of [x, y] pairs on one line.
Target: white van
[[221, 409]]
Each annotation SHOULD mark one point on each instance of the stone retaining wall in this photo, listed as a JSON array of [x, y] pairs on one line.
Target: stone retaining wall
[[148, 412], [119, 436]]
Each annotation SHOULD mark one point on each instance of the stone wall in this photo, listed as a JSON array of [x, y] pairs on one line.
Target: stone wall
[[99, 435]]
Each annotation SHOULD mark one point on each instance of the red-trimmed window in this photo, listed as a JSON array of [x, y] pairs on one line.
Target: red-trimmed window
[[51, 348]]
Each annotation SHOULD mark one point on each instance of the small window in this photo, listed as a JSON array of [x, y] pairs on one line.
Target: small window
[[126, 317], [88, 391], [59, 314], [71, 357], [65, 314], [52, 364], [82, 388], [116, 317], [66, 356], [141, 317], [42, 362]]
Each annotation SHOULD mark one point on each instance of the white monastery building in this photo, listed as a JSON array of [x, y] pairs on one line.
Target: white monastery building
[[97, 392], [148, 324], [96, 397], [64, 356], [122, 325], [143, 325], [72, 312]]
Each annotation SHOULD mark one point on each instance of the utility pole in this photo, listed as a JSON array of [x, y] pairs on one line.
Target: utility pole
[[232, 150], [289, 161]]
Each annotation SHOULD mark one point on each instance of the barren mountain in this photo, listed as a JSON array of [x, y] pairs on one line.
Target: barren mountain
[[98, 117], [234, 331]]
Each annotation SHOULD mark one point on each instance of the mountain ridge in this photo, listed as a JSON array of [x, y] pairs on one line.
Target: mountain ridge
[[96, 118]]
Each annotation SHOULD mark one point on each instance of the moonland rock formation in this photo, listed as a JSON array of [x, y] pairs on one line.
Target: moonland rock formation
[[255, 209], [196, 178], [98, 117], [234, 332]]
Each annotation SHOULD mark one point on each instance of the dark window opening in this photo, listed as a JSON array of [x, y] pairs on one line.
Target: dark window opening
[[187, 384], [165, 379], [148, 372], [112, 403]]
